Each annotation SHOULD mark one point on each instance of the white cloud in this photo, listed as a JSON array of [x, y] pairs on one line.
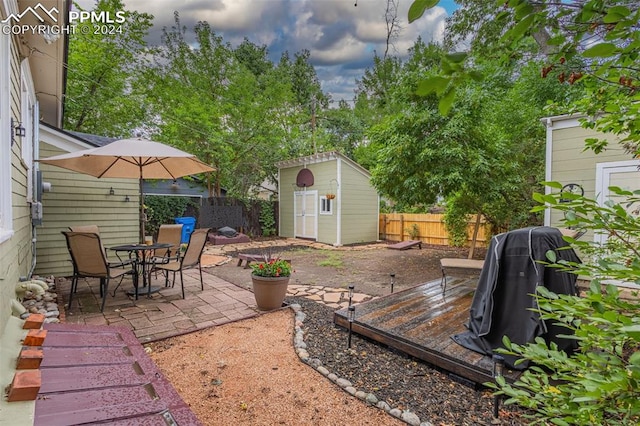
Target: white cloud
[[335, 31]]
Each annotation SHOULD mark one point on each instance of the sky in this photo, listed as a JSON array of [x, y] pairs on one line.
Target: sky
[[341, 36]]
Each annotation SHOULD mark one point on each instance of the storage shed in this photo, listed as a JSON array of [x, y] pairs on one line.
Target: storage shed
[[328, 198], [585, 172]]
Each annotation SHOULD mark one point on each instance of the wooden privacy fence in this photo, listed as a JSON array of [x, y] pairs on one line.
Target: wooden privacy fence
[[431, 229]]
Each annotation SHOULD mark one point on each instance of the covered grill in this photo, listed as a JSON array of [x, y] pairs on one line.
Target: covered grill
[[503, 303]]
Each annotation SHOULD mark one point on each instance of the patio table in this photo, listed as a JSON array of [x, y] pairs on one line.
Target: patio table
[[142, 255]]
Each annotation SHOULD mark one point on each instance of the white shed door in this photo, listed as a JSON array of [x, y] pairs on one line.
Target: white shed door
[[623, 174], [306, 216]]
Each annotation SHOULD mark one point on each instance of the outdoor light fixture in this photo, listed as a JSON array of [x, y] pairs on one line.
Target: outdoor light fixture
[[112, 191], [16, 130], [352, 315], [126, 199], [393, 281], [50, 35], [175, 184], [498, 371], [351, 287]]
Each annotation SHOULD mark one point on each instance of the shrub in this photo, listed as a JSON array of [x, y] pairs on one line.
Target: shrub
[[267, 218], [600, 382]]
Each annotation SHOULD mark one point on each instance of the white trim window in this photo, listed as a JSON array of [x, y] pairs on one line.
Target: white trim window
[[6, 217], [326, 205], [29, 125]]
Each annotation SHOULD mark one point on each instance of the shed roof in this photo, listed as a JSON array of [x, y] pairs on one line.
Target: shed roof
[[320, 158]]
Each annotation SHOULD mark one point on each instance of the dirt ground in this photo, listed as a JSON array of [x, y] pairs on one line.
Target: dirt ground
[[368, 269]]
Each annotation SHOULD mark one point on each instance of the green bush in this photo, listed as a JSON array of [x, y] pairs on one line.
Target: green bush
[[456, 222], [599, 384], [267, 218], [164, 209]]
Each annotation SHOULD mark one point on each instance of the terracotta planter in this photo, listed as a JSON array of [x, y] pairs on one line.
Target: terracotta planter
[[269, 291]]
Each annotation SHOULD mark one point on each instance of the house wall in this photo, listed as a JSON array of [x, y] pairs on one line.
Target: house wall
[[567, 162], [359, 207], [15, 245], [78, 199]]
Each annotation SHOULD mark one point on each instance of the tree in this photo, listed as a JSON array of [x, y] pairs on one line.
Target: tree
[[103, 94], [486, 156], [592, 41], [231, 107]]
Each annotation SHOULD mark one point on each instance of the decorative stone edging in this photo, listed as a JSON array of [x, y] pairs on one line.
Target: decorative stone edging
[[301, 349]]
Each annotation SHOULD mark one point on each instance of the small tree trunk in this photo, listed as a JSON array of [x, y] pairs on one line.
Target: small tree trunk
[[475, 236]]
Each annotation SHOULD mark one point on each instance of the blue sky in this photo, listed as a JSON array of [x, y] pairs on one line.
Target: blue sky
[[341, 37]]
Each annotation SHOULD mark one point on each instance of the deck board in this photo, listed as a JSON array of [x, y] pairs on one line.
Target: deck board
[[420, 322]]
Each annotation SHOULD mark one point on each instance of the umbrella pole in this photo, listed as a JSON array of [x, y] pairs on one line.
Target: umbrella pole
[[143, 216]]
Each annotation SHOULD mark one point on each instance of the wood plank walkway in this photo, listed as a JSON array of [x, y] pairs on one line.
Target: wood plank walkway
[[420, 322]]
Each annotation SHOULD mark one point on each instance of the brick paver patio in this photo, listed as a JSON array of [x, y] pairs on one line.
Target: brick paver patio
[[165, 314]]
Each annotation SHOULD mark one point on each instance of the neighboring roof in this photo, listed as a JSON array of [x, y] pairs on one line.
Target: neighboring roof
[[93, 139], [320, 158]]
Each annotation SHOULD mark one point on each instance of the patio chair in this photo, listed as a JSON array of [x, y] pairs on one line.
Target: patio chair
[[190, 259], [96, 230], [89, 261], [170, 234]]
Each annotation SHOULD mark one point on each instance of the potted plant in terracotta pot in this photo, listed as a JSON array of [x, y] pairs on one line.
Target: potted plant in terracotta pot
[[270, 280]]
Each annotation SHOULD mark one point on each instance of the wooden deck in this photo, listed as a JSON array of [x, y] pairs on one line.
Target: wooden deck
[[420, 322]]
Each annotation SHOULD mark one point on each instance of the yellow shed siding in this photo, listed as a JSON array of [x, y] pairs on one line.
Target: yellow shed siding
[[286, 190], [359, 207], [570, 163]]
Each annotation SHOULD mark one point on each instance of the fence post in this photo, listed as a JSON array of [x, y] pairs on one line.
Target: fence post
[[384, 226]]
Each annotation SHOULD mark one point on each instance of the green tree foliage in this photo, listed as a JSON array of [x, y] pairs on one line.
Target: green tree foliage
[[593, 41], [232, 107], [486, 156], [267, 218], [212, 100], [163, 209], [103, 94]]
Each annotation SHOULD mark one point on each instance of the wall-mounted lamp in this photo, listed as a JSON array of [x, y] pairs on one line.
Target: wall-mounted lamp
[[111, 191], [126, 199], [51, 34], [17, 130], [175, 184]]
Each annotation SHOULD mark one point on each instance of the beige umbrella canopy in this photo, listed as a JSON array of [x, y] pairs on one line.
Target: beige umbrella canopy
[[132, 158]]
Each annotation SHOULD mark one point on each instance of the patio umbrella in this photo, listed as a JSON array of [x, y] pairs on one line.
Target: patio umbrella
[[132, 158]]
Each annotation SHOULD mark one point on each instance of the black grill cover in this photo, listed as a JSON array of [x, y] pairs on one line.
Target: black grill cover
[[502, 304]]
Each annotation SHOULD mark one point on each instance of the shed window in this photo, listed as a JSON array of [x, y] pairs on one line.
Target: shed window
[[326, 205]]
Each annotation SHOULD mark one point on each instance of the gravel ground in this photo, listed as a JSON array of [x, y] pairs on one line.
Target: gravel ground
[[402, 381]]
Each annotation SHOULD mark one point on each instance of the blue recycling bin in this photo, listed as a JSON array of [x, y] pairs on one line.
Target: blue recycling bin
[[188, 225]]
